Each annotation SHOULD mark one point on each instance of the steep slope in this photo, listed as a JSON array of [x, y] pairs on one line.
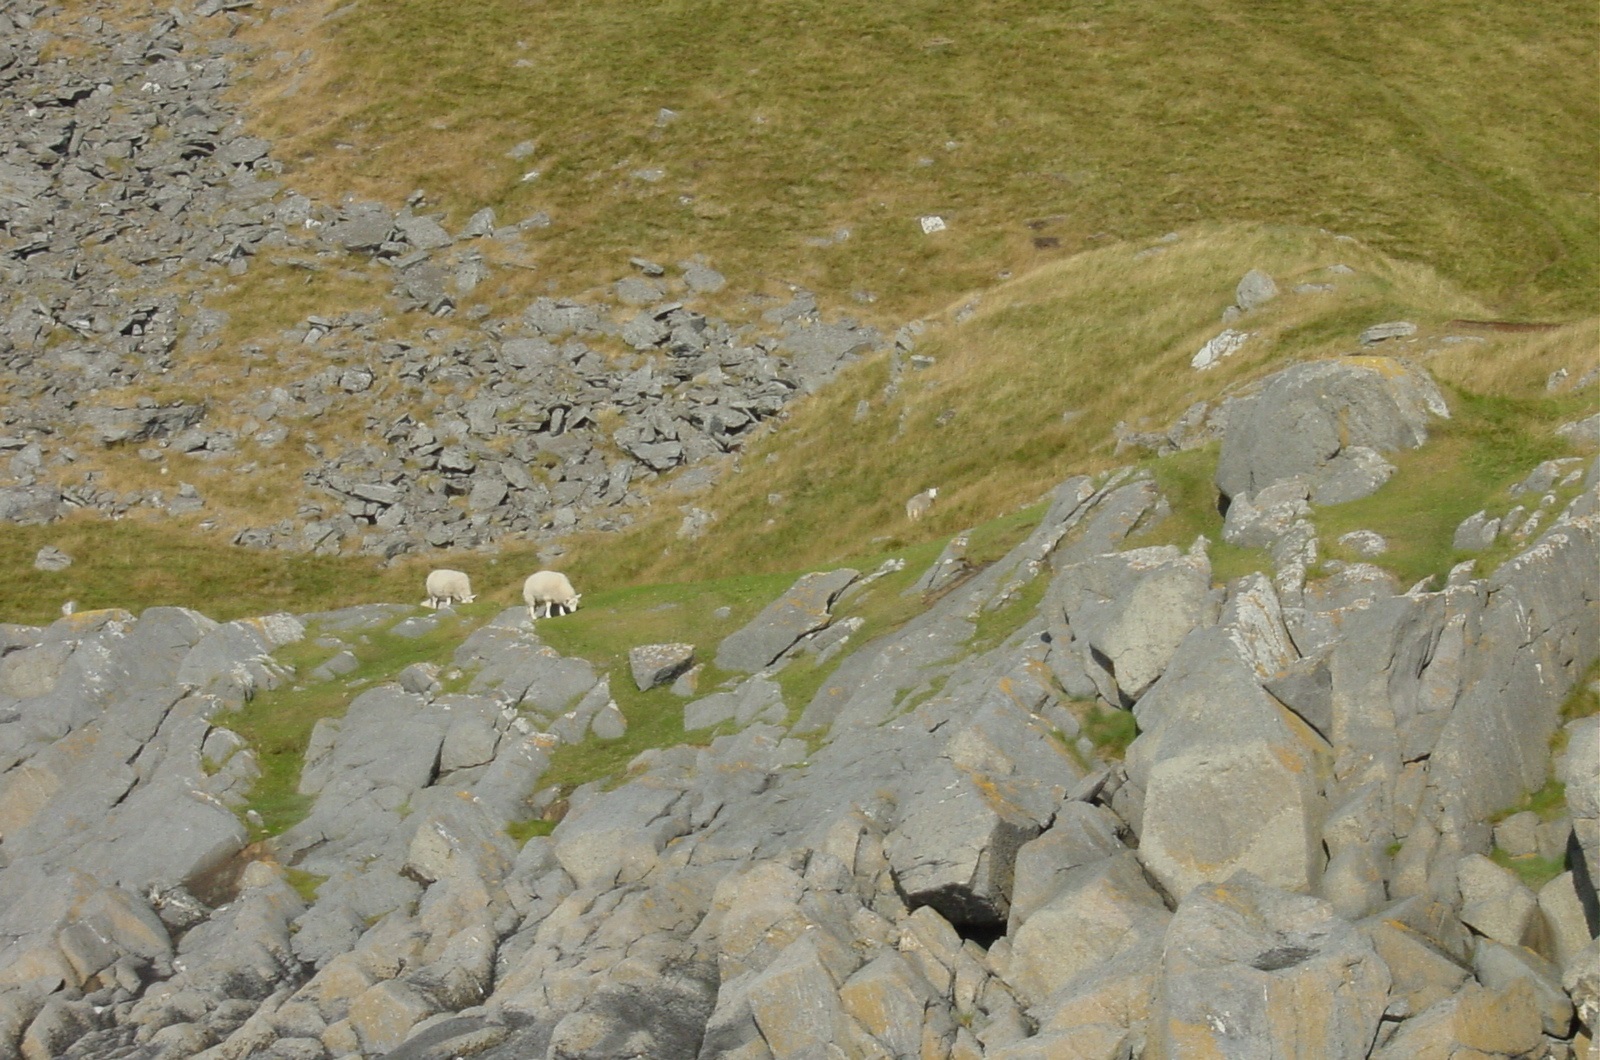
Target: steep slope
[[886, 817]]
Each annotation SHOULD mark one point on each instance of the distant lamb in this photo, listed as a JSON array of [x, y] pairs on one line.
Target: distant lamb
[[918, 506], [550, 590], [446, 587]]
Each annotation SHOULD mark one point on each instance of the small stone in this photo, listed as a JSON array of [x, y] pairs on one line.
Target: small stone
[[1255, 288], [1397, 329], [1217, 348], [656, 664], [50, 558], [1364, 543]]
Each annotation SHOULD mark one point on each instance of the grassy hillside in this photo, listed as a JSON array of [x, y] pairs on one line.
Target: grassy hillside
[[1024, 390], [1443, 151], [1449, 132], [1030, 386]]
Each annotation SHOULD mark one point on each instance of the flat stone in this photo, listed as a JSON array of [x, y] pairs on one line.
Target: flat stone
[[50, 558], [1398, 329], [657, 664], [1255, 289]]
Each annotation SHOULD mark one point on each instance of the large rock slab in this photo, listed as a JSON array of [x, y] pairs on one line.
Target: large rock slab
[[615, 836], [1327, 421], [1130, 610], [235, 659], [1228, 775], [1475, 1021], [1539, 631], [1102, 909], [997, 782], [803, 609], [1252, 971]]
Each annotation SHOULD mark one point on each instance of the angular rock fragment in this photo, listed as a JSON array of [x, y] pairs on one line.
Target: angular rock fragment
[[1250, 967]]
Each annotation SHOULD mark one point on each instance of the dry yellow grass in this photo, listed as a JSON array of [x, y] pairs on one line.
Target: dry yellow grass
[[1029, 386], [1455, 133]]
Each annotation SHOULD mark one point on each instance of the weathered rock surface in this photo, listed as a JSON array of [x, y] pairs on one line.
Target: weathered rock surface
[[801, 610], [1254, 971], [1291, 860], [1329, 422]]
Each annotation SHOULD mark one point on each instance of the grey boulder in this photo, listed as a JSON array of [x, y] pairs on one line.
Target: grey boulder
[[1252, 971], [1328, 421], [657, 664]]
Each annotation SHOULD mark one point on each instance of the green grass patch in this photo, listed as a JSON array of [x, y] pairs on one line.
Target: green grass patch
[[610, 623], [1467, 465], [522, 831], [1534, 871], [614, 621], [1188, 481], [136, 565], [1109, 729], [993, 627], [910, 699], [277, 724], [305, 884], [1584, 699], [1549, 802]]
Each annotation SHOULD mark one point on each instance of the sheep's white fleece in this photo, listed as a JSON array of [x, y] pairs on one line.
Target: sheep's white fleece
[[448, 586], [549, 589]]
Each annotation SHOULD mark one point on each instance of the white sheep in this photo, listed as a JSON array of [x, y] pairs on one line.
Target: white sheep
[[918, 506], [550, 590], [446, 587]]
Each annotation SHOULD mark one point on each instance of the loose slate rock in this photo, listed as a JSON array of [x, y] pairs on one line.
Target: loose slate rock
[[656, 664], [1397, 329], [28, 505]]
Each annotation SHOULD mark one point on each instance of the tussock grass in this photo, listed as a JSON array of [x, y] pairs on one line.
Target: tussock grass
[[1454, 133], [1026, 390], [135, 565], [1111, 731]]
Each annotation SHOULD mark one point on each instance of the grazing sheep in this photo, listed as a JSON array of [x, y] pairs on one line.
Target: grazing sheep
[[446, 587], [550, 590], [918, 506]]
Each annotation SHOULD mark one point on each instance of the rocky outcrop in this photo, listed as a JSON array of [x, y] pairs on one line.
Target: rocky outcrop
[[1329, 423], [937, 853], [1290, 861]]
